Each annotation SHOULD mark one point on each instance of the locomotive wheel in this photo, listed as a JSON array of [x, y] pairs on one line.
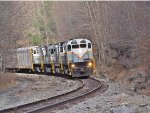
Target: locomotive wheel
[[30, 71], [46, 69], [66, 71], [58, 70], [62, 72], [50, 69], [38, 69]]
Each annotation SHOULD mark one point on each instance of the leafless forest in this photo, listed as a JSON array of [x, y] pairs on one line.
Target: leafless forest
[[120, 31]]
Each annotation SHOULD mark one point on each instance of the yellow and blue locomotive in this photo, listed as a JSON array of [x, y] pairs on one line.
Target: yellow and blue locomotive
[[78, 57], [73, 57]]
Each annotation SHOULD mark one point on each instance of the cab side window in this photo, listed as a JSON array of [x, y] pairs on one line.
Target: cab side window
[[61, 49], [69, 47], [89, 45], [52, 51]]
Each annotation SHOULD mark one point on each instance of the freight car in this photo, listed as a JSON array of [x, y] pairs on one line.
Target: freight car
[[73, 57], [25, 59]]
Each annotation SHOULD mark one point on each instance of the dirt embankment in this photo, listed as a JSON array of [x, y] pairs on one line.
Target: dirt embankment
[[130, 66], [136, 79]]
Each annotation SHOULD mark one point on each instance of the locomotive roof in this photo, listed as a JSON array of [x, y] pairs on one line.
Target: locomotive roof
[[79, 40], [31, 47]]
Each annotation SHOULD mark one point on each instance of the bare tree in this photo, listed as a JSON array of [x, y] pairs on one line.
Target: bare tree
[[121, 24]]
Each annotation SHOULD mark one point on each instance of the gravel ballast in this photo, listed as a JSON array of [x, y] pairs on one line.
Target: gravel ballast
[[32, 87], [117, 99]]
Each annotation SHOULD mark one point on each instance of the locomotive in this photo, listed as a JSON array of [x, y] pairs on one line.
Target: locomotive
[[73, 57]]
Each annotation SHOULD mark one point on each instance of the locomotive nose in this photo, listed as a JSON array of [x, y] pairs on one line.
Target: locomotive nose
[[81, 52], [82, 71]]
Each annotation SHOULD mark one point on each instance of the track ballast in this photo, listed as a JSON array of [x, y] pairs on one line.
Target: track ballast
[[88, 89]]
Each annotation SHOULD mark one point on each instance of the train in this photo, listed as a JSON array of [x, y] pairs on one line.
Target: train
[[73, 57]]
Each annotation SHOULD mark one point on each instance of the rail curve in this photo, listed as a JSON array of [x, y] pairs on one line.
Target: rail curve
[[87, 89]]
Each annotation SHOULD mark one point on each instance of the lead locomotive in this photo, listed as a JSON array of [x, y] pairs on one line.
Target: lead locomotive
[[73, 57]]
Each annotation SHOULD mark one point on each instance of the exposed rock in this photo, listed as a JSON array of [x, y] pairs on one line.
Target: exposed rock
[[139, 86], [142, 110], [139, 81], [121, 97], [121, 109]]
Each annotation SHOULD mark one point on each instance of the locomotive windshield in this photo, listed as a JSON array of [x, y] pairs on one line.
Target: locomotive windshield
[[36, 51], [82, 45], [52, 51], [75, 46], [61, 49]]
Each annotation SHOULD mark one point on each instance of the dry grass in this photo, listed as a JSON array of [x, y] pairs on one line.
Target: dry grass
[[7, 80], [114, 72]]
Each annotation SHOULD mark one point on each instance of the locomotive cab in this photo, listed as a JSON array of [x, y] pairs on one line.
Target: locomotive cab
[[37, 58], [80, 57], [36, 52]]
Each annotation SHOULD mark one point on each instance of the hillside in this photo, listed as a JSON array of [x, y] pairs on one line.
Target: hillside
[[119, 32]]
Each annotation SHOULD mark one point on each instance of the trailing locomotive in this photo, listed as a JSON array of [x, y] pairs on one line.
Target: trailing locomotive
[[73, 57]]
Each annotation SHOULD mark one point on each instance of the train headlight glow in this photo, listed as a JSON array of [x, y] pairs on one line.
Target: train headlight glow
[[72, 65], [90, 64]]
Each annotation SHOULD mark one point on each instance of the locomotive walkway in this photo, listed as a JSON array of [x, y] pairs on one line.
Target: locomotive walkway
[[89, 88]]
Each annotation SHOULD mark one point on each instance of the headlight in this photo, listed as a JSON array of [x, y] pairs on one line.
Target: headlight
[[90, 64], [72, 65]]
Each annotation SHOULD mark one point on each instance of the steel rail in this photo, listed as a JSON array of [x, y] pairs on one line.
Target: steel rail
[[49, 107], [10, 110], [88, 87]]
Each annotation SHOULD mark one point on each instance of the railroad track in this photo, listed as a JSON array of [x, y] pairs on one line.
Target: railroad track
[[89, 88]]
